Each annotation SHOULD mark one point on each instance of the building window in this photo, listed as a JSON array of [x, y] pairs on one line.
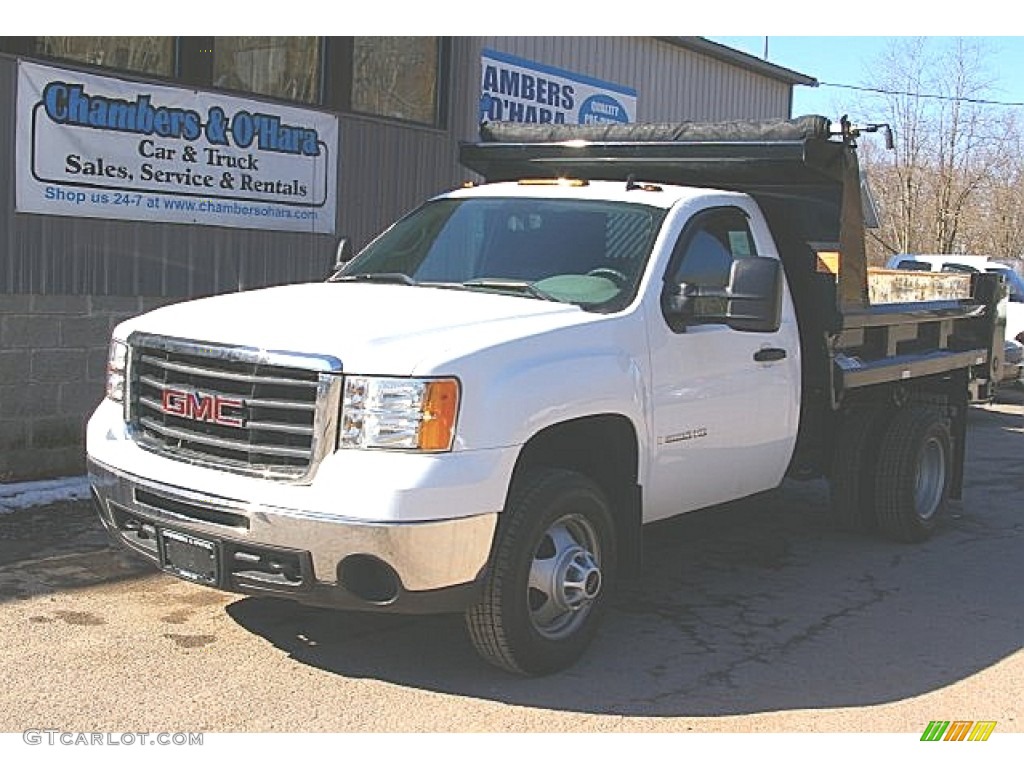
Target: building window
[[149, 55], [396, 77], [283, 67]]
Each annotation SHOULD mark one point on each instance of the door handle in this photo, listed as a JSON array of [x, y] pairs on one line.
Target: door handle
[[769, 354]]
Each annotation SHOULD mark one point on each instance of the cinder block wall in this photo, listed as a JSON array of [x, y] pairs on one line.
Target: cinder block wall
[[53, 353]]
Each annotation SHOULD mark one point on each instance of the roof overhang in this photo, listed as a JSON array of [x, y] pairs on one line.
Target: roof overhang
[[739, 59]]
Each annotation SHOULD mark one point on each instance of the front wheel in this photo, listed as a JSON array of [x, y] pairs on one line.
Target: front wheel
[[553, 562]]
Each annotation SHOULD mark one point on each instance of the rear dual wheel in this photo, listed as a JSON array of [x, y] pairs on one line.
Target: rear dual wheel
[[915, 462], [892, 469], [852, 476]]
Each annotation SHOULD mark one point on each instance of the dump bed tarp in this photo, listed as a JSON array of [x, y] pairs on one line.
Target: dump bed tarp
[[751, 156], [797, 129]]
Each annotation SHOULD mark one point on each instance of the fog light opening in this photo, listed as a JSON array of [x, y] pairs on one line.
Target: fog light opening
[[369, 578]]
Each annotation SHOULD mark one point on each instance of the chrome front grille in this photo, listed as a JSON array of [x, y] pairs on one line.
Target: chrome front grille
[[246, 410]]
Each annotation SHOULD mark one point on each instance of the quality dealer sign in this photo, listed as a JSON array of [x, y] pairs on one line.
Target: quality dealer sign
[[521, 91], [102, 147]]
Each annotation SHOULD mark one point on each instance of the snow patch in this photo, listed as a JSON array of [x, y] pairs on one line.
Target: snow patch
[[14, 496]]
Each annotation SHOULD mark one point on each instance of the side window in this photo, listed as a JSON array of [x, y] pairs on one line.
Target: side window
[[703, 258], [706, 251]]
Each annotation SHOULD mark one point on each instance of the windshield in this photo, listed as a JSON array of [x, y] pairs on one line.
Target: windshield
[[584, 252], [1014, 283]]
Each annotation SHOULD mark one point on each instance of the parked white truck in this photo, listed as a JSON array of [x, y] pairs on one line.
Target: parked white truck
[[481, 410]]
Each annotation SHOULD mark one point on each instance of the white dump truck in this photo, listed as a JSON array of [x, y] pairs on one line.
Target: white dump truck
[[480, 411]]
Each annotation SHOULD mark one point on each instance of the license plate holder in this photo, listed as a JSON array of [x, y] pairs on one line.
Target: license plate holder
[[189, 557]]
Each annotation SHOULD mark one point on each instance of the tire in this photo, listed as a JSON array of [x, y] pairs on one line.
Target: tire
[[852, 476], [552, 565], [914, 470]]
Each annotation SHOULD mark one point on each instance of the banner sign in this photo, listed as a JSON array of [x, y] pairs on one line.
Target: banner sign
[[101, 147], [520, 91]]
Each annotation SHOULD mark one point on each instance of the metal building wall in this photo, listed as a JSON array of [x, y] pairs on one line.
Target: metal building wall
[[672, 82], [8, 78], [64, 255], [388, 169], [384, 170]]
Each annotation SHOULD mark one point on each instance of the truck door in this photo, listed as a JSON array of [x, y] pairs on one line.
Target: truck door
[[725, 402]]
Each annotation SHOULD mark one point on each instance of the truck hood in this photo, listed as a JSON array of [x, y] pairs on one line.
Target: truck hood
[[372, 328]]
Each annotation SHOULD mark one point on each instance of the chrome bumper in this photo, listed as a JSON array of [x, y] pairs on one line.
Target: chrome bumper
[[417, 567]]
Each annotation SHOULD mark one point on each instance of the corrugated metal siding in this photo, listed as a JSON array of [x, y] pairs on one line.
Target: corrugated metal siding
[[385, 169], [8, 75], [672, 83], [62, 255]]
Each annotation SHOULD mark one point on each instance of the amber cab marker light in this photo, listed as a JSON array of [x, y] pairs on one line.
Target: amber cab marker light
[[561, 181]]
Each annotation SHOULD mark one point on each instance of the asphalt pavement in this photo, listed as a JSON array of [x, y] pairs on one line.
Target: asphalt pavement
[[758, 616]]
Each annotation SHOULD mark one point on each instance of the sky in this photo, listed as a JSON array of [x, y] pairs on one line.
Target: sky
[[852, 60]]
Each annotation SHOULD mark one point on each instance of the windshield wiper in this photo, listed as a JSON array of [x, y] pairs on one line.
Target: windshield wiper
[[377, 277], [519, 286]]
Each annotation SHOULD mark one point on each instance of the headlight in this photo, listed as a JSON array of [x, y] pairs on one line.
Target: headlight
[[410, 414], [117, 363]]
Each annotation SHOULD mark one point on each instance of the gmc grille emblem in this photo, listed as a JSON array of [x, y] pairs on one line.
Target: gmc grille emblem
[[202, 407]]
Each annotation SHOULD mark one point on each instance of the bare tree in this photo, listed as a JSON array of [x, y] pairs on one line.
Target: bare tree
[[965, 144], [996, 223], [900, 179], [952, 150]]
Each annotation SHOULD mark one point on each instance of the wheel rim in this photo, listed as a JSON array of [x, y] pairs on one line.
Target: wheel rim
[[565, 577], [931, 479]]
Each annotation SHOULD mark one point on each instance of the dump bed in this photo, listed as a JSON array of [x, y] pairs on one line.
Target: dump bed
[[894, 286], [805, 177]]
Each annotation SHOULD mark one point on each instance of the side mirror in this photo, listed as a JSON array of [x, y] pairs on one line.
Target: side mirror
[[342, 254], [755, 295], [752, 301], [678, 304]]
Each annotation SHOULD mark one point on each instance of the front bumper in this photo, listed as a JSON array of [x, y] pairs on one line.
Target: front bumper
[[402, 567]]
